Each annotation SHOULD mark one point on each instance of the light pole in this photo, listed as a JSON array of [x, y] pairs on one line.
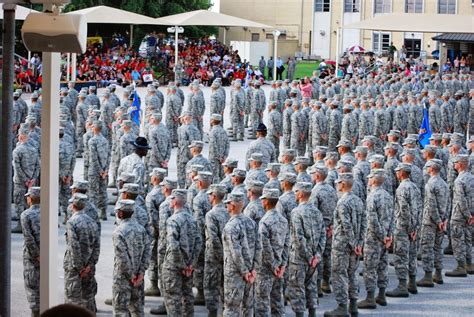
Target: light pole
[[176, 30], [276, 34]]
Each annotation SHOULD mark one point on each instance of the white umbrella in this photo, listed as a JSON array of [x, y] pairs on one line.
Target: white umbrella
[[356, 49]]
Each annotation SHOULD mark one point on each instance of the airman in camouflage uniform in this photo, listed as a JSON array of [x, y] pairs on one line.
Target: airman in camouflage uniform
[[132, 252], [349, 125], [160, 143], [218, 147], [237, 107], [272, 171], [366, 121], [67, 160], [30, 223], [81, 257], [81, 117], [216, 219], [301, 165], [335, 125], [125, 143], [308, 239], [254, 209], [318, 127], [173, 111], [287, 113], [256, 172], [299, 129], [362, 168], [216, 104], [229, 165], [275, 240], [197, 105], [187, 133], [92, 98], [152, 102], [287, 158], [183, 245], [261, 145], [275, 126]]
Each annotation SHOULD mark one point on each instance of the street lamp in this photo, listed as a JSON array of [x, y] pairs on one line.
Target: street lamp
[[176, 30], [276, 34]]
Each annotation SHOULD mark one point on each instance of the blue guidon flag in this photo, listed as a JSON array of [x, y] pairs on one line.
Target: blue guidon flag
[[135, 109], [425, 131]]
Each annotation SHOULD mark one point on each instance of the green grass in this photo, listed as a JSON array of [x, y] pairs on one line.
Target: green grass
[[303, 68]]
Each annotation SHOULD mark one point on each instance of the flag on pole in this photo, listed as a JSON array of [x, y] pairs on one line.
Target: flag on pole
[[135, 109], [425, 131]]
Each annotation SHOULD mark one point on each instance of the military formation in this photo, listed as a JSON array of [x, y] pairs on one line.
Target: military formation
[[328, 184]]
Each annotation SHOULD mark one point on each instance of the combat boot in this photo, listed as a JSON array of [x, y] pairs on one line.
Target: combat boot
[[426, 281], [17, 229], [353, 307], [199, 299], [469, 267], [312, 312], [449, 248], [320, 291], [340, 311], [35, 313], [460, 271], [369, 302], [160, 310], [400, 290], [108, 301], [412, 284], [153, 290], [299, 314], [438, 277], [380, 299], [326, 287], [212, 313], [103, 215]]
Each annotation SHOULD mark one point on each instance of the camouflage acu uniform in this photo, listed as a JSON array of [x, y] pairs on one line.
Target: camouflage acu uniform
[[287, 114], [264, 146], [218, 151], [173, 111], [186, 134], [237, 106], [275, 129], [159, 139], [99, 160], [67, 160], [299, 132]]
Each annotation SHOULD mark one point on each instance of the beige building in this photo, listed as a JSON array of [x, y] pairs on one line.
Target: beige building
[[309, 26]]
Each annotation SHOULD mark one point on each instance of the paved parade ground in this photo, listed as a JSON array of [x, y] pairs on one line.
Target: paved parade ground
[[454, 298]]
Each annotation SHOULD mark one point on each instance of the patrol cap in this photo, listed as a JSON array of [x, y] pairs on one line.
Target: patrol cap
[[24, 130], [79, 200], [97, 124], [430, 148], [305, 187], [274, 167], [344, 163], [348, 106], [290, 152], [377, 158], [255, 184], [151, 88], [156, 116], [179, 193], [361, 149], [370, 138], [126, 177], [16, 94], [413, 136], [92, 87], [410, 141], [127, 123], [270, 193], [204, 176], [345, 177], [434, 162], [186, 114], [471, 139], [230, 162], [447, 135], [318, 168], [33, 191], [459, 93], [294, 91], [395, 133], [436, 137], [125, 205], [322, 149], [411, 152], [130, 188], [257, 157], [217, 189], [19, 91], [238, 172], [235, 197], [169, 183], [331, 156], [287, 177], [158, 172], [302, 160], [216, 117], [461, 158], [34, 95], [196, 168], [377, 172], [80, 185], [457, 138], [344, 143], [196, 143], [403, 167]]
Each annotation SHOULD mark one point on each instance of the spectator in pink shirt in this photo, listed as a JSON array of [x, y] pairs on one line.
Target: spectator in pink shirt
[[306, 88]]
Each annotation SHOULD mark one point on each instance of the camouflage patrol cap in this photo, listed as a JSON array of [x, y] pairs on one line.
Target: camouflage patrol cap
[[461, 158], [169, 183], [127, 123], [196, 168], [318, 168], [376, 172], [255, 185], [216, 117], [92, 87], [126, 177], [151, 88], [294, 91], [130, 188], [430, 148], [215, 84], [288, 101], [305, 187], [395, 133], [16, 94], [289, 152], [80, 185], [274, 167], [331, 156], [230, 162], [35, 95], [156, 116], [348, 106], [179, 193], [377, 158], [125, 205], [344, 143], [217, 188], [24, 130], [436, 137], [370, 138], [411, 152], [345, 177], [186, 114], [361, 149], [257, 157], [322, 149], [196, 143], [459, 93], [238, 172], [79, 200], [19, 91], [434, 162], [403, 167], [33, 191], [412, 136], [458, 138], [447, 135], [205, 176], [235, 197], [344, 163], [97, 124], [158, 172], [287, 177], [270, 193], [410, 141], [302, 160]]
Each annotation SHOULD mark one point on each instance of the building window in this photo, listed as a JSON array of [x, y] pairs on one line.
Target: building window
[[322, 5], [382, 6], [380, 42], [255, 37], [447, 6], [351, 6], [413, 6]]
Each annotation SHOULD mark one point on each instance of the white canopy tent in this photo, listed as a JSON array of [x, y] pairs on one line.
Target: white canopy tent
[[20, 12]]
